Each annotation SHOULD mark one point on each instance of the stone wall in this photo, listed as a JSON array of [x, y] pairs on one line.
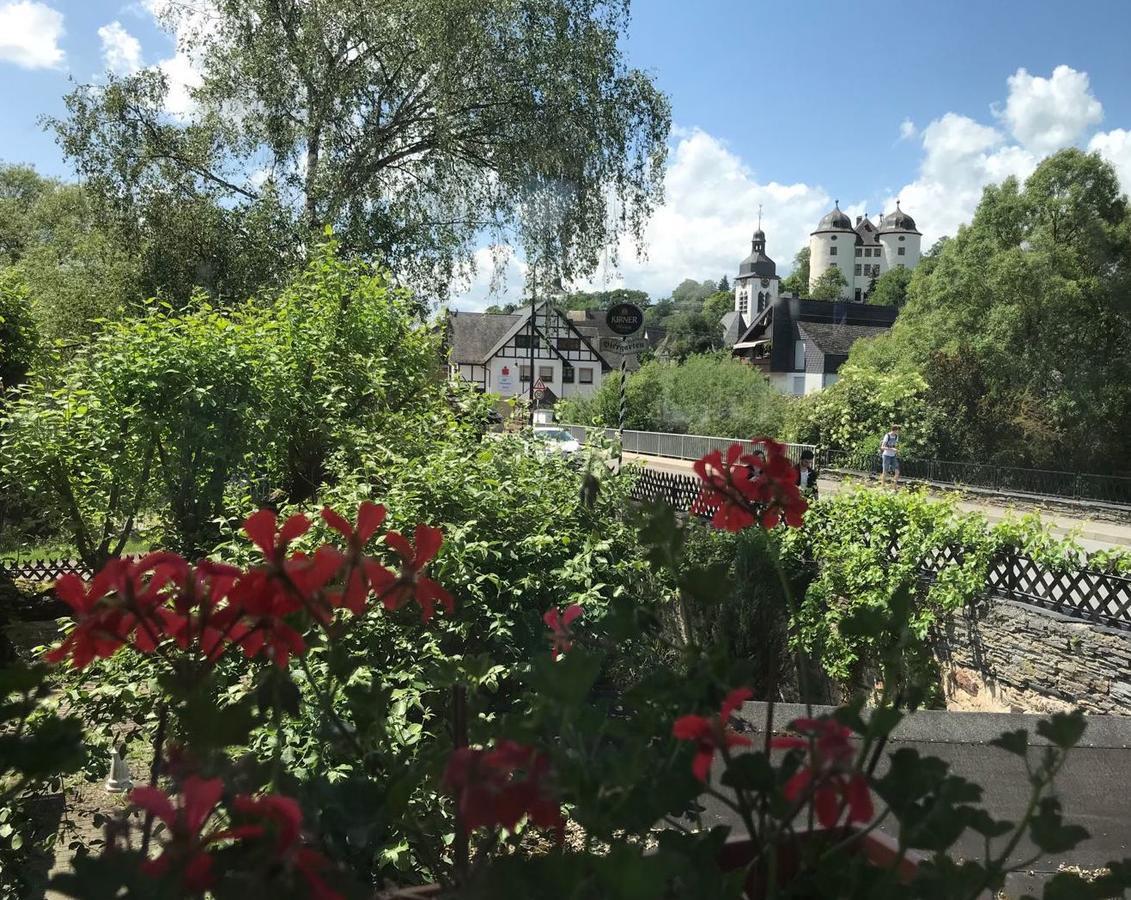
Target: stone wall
[[1003, 656]]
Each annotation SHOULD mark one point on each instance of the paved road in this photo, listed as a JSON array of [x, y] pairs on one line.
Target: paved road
[[1092, 785], [1092, 533]]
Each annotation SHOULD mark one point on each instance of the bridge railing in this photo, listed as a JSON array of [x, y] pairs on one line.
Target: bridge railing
[[674, 446], [1080, 592], [1011, 479]]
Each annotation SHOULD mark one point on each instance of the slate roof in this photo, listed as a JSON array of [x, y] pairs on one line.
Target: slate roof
[[834, 220], [866, 232], [733, 325], [757, 263], [474, 335], [898, 221], [837, 339]]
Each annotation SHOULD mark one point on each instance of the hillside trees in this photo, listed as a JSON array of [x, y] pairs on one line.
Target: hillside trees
[[412, 127], [829, 285], [1019, 327], [890, 289], [705, 394], [797, 281]]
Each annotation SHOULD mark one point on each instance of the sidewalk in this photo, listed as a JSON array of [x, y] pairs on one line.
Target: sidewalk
[[1092, 533]]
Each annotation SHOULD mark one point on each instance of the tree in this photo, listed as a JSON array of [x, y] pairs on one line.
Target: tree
[[710, 393], [604, 299], [797, 281], [717, 305], [1020, 326], [829, 285], [690, 293], [413, 127], [18, 338], [891, 288], [505, 310], [724, 284]]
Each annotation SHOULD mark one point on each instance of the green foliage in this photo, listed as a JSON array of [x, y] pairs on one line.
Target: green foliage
[[604, 299], [189, 413], [797, 281], [1008, 321], [18, 336], [339, 108], [830, 284], [890, 289], [855, 412], [706, 394]]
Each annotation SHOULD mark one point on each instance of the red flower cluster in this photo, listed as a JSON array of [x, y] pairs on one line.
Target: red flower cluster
[[714, 734], [745, 487], [558, 622], [210, 606], [830, 774], [498, 786], [187, 849]]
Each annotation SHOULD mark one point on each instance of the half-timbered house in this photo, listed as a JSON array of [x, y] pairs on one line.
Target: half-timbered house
[[493, 352]]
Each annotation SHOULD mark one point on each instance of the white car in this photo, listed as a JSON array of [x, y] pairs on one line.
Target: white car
[[557, 439]]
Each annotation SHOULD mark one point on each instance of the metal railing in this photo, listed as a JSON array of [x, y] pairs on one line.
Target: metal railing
[[1078, 591], [1010, 479], [675, 446]]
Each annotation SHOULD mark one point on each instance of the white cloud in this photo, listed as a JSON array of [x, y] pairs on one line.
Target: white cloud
[[907, 130], [1046, 114], [30, 34], [183, 76], [120, 49], [1115, 147]]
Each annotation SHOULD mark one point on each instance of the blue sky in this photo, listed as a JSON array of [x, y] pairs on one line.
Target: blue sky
[[785, 104]]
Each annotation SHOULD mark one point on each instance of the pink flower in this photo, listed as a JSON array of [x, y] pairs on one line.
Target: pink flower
[[187, 845], [499, 786], [370, 517], [558, 623], [714, 734]]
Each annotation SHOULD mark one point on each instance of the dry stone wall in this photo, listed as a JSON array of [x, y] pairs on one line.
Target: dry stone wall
[[1002, 656]]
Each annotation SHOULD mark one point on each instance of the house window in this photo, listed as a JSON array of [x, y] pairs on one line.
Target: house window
[[523, 341], [901, 251], [799, 384], [585, 375], [858, 295], [524, 373], [858, 270], [567, 374], [860, 252], [902, 237], [546, 374], [569, 343], [832, 251], [799, 356]]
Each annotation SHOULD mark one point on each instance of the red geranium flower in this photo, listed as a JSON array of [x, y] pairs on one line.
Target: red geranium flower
[[187, 845], [558, 623], [830, 773], [260, 527], [282, 817], [395, 590], [497, 787], [744, 488], [370, 517], [712, 734]]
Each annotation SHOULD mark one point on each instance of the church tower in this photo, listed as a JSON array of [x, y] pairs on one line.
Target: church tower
[[756, 286]]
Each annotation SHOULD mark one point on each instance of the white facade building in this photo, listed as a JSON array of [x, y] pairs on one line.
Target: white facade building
[[493, 352], [864, 251]]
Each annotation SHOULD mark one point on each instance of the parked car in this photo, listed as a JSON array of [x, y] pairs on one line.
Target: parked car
[[557, 439]]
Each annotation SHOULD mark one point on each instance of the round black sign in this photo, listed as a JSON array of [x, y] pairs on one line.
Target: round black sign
[[625, 318]]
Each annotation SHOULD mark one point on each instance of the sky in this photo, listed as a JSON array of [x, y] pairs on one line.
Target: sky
[[791, 105]]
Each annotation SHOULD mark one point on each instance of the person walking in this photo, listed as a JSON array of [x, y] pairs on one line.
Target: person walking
[[889, 457], [807, 475]]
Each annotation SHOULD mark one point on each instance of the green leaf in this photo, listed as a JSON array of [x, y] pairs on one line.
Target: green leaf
[[750, 772]]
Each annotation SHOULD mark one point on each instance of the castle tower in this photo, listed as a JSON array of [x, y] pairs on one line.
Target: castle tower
[[900, 240], [833, 243], [756, 286]]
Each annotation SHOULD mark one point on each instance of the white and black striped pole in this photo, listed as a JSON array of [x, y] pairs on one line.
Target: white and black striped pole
[[623, 319], [622, 409]]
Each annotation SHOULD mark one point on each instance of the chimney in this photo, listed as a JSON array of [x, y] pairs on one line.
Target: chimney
[[859, 219]]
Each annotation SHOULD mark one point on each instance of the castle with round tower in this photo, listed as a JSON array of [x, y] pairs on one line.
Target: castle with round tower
[[864, 251]]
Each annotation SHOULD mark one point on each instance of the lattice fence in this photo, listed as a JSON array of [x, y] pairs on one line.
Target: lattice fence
[[43, 569], [1103, 598]]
